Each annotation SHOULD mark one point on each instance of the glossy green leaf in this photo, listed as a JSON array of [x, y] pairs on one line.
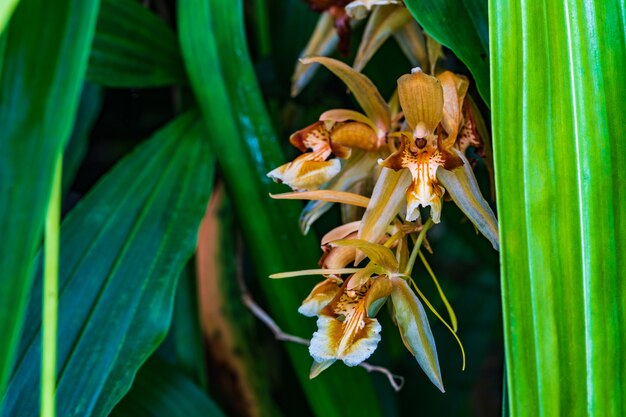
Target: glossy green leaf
[[211, 34], [462, 26], [6, 10], [133, 47], [122, 250], [162, 390], [39, 90], [558, 97]]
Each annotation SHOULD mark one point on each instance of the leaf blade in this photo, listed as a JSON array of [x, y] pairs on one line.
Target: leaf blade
[[37, 110], [122, 250]]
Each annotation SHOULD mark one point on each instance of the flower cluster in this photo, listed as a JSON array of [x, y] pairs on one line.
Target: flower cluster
[[412, 149]]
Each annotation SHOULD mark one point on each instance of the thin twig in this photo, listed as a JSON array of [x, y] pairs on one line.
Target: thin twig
[[396, 381]]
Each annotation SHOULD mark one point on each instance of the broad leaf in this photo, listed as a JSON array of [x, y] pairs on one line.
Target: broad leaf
[[462, 26], [122, 250], [558, 98], [133, 47], [247, 149], [39, 89]]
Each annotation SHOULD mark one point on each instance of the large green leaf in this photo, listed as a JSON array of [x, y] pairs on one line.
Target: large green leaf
[[133, 47], [161, 390], [39, 88], [462, 26], [217, 60], [6, 10], [122, 249], [558, 96]]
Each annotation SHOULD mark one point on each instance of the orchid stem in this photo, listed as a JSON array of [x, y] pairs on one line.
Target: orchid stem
[[51, 295], [416, 247]]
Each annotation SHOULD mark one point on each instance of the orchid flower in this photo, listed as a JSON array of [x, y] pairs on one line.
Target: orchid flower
[[388, 18]]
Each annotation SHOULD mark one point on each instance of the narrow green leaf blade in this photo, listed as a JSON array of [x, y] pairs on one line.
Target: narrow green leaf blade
[[39, 90], [462, 26], [246, 148], [122, 249], [558, 95], [161, 390], [133, 47]]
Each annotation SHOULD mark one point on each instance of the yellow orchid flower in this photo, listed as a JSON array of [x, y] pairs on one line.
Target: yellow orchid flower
[[337, 132], [424, 149], [388, 18], [347, 327]]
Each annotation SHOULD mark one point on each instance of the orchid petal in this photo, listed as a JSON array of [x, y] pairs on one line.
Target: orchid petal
[[354, 135], [413, 43], [421, 98], [387, 199], [322, 294], [363, 89], [319, 367], [352, 341], [378, 254], [356, 169], [337, 258], [454, 91], [322, 42], [463, 188], [345, 115], [325, 195], [377, 295], [306, 173], [410, 316], [358, 9], [318, 271], [340, 232], [435, 51], [384, 22]]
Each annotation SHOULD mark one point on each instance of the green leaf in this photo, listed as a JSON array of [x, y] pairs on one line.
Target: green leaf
[[462, 26], [6, 10], [133, 47], [558, 97], [161, 390], [122, 250], [247, 149], [39, 89]]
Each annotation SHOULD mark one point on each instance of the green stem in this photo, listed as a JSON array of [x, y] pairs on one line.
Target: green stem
[[416, 247], [51, 295]]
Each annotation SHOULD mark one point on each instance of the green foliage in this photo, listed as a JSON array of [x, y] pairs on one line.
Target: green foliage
[[462, 26], [39, 89], [162, 390], [557, 92], [133, 48], [122, 250]]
